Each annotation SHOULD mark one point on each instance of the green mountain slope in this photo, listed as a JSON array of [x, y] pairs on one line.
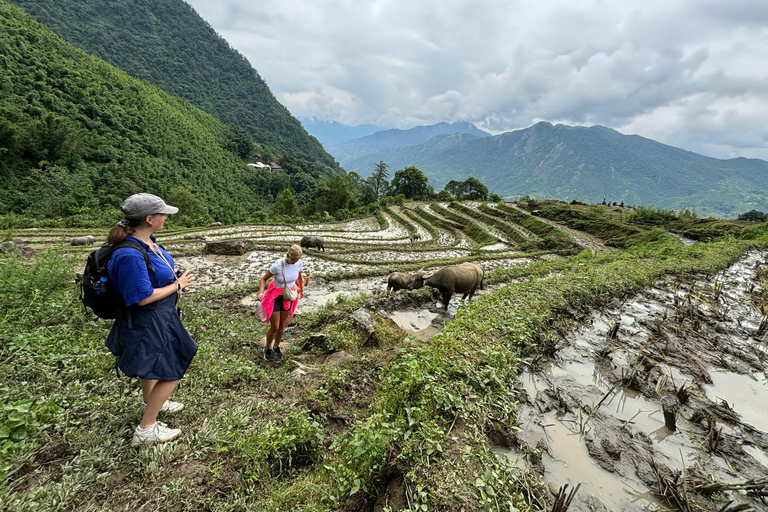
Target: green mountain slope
[[167, 43], [589, 164], [78, 135]]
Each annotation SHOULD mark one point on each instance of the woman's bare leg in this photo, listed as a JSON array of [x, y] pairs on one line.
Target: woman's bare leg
[[146, 389], [160, 393], [284, 319], [274, 327]]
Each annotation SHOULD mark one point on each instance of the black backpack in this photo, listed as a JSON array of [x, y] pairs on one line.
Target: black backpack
[[107, 303]]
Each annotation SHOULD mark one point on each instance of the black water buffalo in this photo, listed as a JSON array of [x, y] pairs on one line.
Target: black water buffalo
[[415, 236], [82, 240], [398, 281], [313, 241], [464, 278]]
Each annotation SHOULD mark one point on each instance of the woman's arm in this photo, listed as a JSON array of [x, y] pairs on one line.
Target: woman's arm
[[176, 286], [263, 284]]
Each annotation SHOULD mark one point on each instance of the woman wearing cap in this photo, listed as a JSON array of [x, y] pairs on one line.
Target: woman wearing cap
[[148, 338], [287, 273]]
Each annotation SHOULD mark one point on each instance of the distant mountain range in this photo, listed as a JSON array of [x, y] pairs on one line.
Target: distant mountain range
[[584, 163], [330, 133], [396, 138]]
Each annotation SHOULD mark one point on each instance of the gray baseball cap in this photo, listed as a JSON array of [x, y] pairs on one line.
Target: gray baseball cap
[[141, 205]]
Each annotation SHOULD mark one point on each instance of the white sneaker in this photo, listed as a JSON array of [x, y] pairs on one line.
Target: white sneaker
[[169, 407], [157, 432]]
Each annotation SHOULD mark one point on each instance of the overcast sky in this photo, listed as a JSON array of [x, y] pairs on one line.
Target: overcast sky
[[689, 73]]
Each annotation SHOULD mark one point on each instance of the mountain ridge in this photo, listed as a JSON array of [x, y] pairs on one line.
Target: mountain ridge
[[399, 138]]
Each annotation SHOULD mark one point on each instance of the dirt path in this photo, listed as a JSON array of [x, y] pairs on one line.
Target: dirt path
[[597, 416]]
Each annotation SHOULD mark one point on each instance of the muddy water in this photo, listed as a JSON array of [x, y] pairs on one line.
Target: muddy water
[[568, 461], [746, 394], [673, 335], [413, 320]]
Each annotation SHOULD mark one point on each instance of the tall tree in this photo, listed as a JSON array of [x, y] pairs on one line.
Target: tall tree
[[455, 188], [379, 180], [412, 183], [474, 190]]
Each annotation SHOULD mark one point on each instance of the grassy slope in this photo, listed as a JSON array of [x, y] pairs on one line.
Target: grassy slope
[[409, 413], [79, 135]]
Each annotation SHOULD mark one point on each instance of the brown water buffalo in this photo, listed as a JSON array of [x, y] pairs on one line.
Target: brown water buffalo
[[398, 281], [313, 241], [415, 236], [464, 278], [82, 240]]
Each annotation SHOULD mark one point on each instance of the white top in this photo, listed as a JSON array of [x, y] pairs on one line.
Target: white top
[[291, 272]]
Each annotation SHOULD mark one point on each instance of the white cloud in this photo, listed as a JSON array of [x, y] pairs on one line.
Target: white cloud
[[684, 72]]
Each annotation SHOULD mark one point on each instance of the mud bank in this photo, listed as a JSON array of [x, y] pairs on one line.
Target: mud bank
[[694, 349]]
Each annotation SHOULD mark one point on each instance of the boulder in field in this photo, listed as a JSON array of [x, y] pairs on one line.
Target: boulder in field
[[229, 247]]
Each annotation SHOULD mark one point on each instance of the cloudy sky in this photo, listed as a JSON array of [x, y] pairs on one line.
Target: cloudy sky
[[689, 73]]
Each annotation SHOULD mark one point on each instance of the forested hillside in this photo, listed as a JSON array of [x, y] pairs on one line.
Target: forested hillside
[[168, 44], [78, 135]]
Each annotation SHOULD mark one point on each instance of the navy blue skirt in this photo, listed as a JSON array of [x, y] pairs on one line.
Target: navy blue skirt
[[158, 347]]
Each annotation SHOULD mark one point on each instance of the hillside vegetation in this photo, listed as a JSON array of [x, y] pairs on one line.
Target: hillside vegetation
[[167, 44], [77, 136]]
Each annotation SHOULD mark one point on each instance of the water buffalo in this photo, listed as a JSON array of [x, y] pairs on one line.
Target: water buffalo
[[82, 240], [313, 241], [415, 236], [464, 278], [398, 281]]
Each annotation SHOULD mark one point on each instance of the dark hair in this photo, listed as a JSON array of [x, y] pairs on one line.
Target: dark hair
[[123, 230]]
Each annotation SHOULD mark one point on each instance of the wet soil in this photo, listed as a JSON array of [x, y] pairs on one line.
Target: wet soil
[[596, 415]]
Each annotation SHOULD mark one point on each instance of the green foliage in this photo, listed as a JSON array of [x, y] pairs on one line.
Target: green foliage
[[378, 181], [411, 183], [86, 135], [192, 211], [753, 216], [469, 189], [285, 204], [276, 449], [170, 46], [331, 196], [20, 421]]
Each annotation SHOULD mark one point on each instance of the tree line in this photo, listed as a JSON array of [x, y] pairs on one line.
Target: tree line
[[344, 197]]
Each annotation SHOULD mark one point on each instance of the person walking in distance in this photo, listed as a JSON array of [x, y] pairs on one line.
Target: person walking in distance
[[148, 337], [276, 299]]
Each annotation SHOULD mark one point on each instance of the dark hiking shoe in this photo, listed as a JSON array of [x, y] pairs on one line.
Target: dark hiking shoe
[[269, 354], [277, 353]]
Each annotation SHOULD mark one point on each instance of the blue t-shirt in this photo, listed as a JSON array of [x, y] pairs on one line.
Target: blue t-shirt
[[128, 271]]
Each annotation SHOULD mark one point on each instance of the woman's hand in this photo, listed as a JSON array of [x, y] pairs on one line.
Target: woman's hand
[[186, 279], [306, 279], [259, 295]]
